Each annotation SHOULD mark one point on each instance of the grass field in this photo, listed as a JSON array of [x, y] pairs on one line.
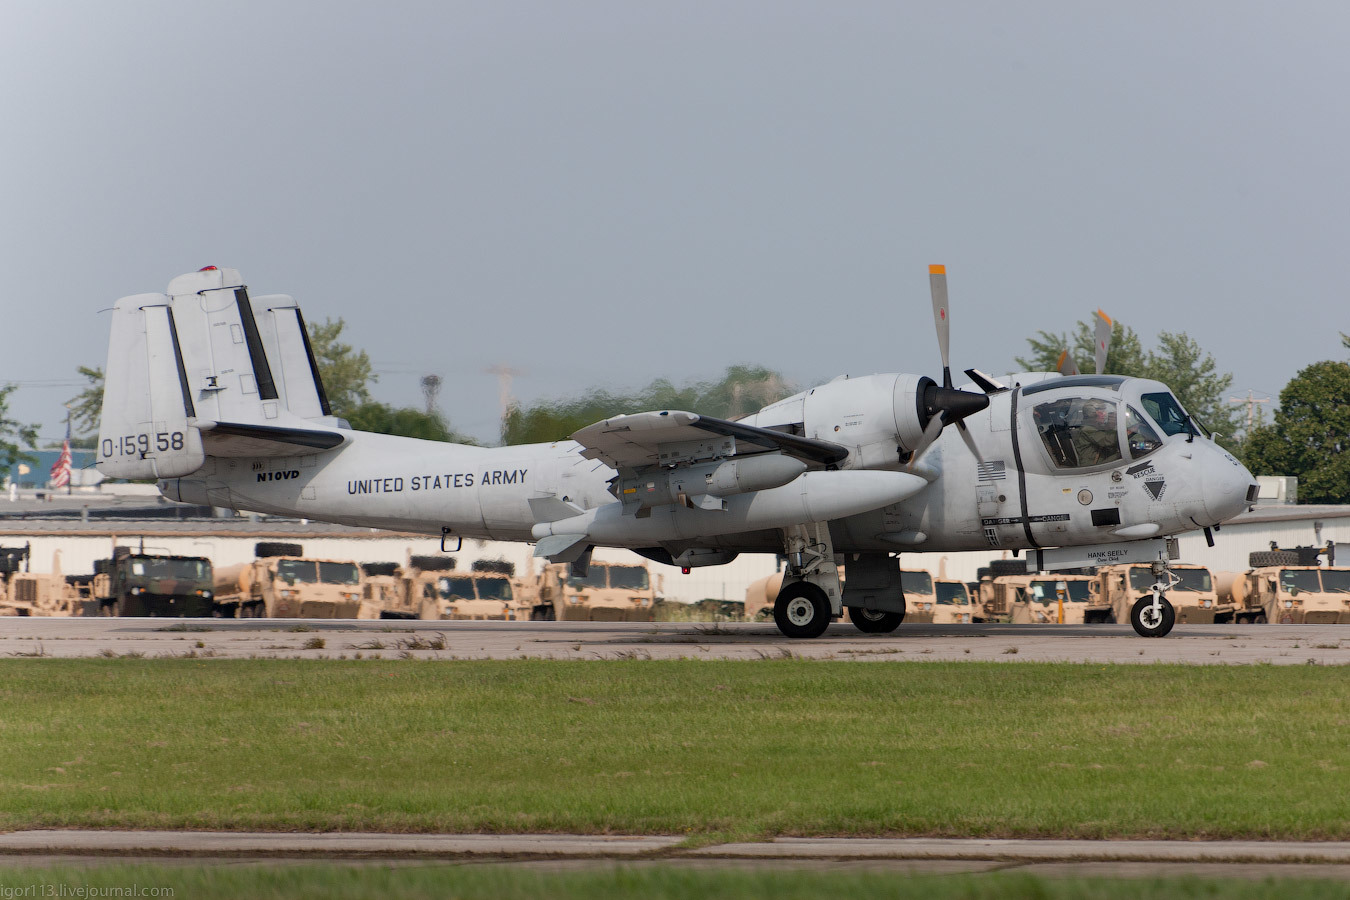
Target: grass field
[[494, 882], [712, 749]]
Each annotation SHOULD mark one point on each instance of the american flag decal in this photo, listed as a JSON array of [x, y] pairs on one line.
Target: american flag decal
[[991, 471]]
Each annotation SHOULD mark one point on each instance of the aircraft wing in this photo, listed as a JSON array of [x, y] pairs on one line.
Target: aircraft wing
[[672, 436]]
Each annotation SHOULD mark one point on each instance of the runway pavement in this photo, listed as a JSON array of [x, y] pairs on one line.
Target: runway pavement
[[1243, 859], [391, 639]]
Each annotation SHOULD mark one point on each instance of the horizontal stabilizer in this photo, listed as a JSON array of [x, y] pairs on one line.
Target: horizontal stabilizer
[[568, 548], [236, 439]]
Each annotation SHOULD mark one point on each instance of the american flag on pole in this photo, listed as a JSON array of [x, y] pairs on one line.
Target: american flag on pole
[[61, 470]]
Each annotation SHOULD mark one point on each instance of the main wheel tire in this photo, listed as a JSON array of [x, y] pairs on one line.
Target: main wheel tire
[[1149, 624], [802, 610], [874, 621], [1260, 619]]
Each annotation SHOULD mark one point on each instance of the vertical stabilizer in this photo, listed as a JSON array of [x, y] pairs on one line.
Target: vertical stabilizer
[[294, 369], [144, 429]]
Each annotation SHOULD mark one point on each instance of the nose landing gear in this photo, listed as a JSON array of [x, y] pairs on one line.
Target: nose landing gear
[[1154, 616]]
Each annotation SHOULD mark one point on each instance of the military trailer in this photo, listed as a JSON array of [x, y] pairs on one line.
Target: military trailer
[[136, 583], [1192, 594], [608, 592], [1296, 592], [284, 584]]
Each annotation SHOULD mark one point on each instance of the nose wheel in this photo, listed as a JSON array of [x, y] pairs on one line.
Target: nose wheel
[[1152, 617]]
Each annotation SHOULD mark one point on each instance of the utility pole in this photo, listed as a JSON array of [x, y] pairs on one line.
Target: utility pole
[[504, 375], [1251, 400]]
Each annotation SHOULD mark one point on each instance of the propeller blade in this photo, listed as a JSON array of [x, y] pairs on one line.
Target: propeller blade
[[930, 434], [937, 283], [1104, 325], [1066, 365], [970, 441]]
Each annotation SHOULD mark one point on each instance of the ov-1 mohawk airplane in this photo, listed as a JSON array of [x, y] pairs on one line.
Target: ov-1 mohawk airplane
[[216, 394]]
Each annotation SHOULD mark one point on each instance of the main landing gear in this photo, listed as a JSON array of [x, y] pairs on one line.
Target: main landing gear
[[810, 597], [1153, 616]]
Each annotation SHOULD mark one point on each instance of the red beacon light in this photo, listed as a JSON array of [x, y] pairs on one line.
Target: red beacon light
[[207, 269]]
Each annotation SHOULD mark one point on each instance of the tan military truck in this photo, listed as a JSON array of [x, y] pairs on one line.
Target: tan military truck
[[1052, 599], [608, 592], [284, 584], [1288, 593], [488, 591], [952, 604], [25, 593], [1192, 594]]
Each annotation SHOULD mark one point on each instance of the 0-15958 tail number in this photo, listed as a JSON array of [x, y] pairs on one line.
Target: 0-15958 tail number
[[140, 444]]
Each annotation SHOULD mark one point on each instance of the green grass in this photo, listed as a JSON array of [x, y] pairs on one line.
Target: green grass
[[723, 748], [495, 882]]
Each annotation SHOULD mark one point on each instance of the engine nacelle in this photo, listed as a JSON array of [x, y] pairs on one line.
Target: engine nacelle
[[878, 417], [716, 479]]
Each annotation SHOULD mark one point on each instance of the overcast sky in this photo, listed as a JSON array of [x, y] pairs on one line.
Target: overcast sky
[[605, 193]]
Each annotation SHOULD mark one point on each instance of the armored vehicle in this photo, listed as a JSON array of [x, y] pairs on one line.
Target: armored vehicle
[[144, 584], [284, 584], [608, 592], [1192, 593], [1295, 592]]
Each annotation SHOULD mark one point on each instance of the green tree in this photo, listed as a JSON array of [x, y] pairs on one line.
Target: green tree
[[406, 421], [1125, 356], [741, 390], [14, 435], [86, 407], [346, 373], [1310, 434]]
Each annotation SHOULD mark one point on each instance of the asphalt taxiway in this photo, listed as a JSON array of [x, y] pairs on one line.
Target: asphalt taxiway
[[391, 639]]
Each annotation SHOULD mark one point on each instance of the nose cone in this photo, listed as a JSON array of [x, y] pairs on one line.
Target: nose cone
[[1228, 487]]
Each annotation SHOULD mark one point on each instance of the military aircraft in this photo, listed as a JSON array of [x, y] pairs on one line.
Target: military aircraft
[[216, 393]]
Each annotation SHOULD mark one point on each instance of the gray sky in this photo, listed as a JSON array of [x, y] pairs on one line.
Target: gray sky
[[606, 193]]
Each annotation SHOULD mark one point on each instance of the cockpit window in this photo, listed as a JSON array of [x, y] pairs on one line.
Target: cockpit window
[[1139, 435], [1078, 432], [1165, 410]]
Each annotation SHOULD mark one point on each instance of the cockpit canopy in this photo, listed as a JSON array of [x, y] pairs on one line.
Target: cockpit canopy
[[1092, 421]]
